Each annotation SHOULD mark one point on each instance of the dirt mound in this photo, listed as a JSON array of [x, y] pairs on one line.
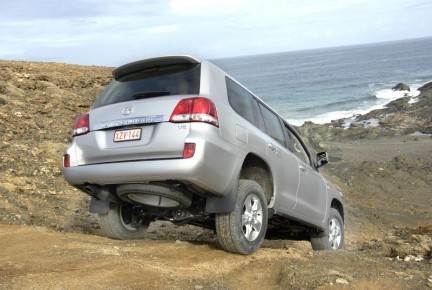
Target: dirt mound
[[40, 102]]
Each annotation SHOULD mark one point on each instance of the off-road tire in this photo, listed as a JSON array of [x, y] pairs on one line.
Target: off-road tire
[[333, 237], [242, 231], [120, 223]]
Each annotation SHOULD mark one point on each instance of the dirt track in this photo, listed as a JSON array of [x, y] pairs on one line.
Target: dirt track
[[37, 258], [49, 241]]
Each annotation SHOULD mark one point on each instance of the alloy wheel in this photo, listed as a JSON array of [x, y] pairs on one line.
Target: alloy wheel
[[252, 217], [335, 233]]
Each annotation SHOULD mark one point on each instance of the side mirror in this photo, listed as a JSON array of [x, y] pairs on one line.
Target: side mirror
[[321, 159]]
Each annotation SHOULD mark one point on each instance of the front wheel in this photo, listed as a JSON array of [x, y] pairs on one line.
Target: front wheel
[[123, 222], [333, 237], [242, 231]]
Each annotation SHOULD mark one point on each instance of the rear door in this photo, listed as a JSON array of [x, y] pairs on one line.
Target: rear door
[[312, 190], [284, 166]]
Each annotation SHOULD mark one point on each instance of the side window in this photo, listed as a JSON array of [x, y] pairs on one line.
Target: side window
[[296, 147], [273, 125], [258, 118], [244, 103]]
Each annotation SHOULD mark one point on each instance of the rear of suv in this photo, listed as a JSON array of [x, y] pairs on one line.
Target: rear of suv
[[178, 139]]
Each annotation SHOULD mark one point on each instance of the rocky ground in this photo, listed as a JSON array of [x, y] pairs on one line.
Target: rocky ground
[[48, 239]]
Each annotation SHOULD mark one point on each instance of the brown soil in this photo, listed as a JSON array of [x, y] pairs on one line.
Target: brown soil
[[48, 240]]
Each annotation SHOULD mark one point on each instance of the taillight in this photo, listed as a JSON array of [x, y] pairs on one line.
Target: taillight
[[66, 160], [195, 110], [189, 150], [81, 125]]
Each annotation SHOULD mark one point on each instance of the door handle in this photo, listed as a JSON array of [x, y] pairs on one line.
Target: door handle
[[272, 147], [303, 169]]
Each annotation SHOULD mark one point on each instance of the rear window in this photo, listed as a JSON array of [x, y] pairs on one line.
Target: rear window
[[178, 79]]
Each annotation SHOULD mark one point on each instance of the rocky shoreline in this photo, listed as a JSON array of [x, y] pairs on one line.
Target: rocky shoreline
[[404, 116]]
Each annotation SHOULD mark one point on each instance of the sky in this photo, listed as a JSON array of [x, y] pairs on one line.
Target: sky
[[113, 32]]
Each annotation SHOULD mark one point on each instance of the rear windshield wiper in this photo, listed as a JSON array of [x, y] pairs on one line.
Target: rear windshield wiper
[[143, 95]]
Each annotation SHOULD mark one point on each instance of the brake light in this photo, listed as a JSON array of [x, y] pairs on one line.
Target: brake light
[[189, 150], [81, 125], [195, 110], [66, 160]]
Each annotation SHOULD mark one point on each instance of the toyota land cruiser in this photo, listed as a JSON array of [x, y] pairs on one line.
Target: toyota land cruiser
[[178, 139]]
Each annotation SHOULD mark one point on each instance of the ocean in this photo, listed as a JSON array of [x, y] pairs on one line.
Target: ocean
[[326, 84]]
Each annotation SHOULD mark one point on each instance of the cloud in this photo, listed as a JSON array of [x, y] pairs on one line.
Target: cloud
[[100, 31], [163, 29], [42, 9], [193, 7]]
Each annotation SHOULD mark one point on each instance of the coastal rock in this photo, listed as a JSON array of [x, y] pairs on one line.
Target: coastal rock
[[319, 135], [399, 117], [401, 87], [426, 89]]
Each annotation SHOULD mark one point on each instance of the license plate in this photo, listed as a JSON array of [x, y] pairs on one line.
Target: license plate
[[127, 135]]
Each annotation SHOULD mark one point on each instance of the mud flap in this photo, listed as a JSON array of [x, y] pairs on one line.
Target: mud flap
[[224, 204], [99, 206]]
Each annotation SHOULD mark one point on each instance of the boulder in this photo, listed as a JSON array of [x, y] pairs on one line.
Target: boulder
[[401, 87], [2, 101]]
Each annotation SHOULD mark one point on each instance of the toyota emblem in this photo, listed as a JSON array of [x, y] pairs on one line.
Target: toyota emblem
[[127, 111]]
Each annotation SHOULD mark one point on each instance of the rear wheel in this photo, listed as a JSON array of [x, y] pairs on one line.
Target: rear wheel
[[123, 222], [242, 231], [333, 237]]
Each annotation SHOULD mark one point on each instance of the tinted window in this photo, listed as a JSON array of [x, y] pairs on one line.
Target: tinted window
[[295, 146], [244, 103], [179, 79], [273, 125]]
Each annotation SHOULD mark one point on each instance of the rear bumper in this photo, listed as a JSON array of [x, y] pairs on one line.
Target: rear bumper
[[212, 168]]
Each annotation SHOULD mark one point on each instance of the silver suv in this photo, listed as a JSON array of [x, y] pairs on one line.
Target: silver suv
[[178, 139]]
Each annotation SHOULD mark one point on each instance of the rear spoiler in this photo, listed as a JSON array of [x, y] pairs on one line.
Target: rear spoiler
[[151, 63]]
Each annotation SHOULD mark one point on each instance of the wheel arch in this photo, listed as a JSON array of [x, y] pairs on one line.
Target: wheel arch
[[256, 169], [337, 205], [253, 168]]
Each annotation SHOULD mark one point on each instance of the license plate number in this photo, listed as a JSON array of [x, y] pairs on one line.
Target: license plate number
[[127, 135]]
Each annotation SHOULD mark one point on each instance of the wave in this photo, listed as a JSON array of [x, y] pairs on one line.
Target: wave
[[338, 104], [367, 99], [381, 97], [336, 115], [389, 94]]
